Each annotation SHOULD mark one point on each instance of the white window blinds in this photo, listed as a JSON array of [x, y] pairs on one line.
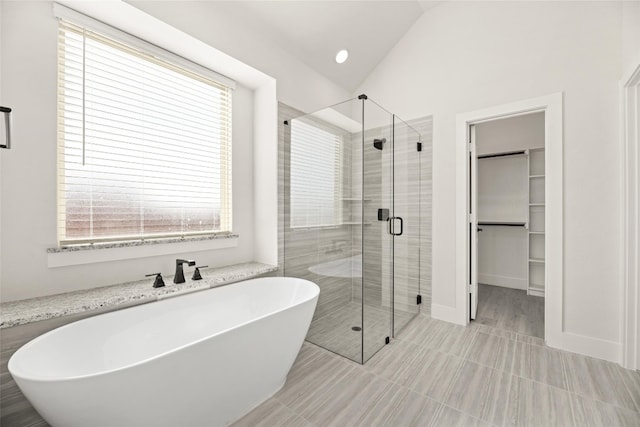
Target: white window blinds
[[315, 176], [144, 145]]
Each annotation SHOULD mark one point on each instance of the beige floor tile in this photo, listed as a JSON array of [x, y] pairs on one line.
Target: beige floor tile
[[510, 310], [535, 404], [311, 385], [271, 414], [481, 392], [600, 380], [492, 351], [432, 373], [393, 361], [380, 415], [338, 397], [546, 366], [413, 410], [592, 413], [370, 398], [449, 417]]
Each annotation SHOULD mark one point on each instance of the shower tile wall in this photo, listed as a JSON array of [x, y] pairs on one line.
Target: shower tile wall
[[414, 248]]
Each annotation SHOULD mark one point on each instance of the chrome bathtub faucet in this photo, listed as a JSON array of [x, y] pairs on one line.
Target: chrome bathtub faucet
[[179, 276]]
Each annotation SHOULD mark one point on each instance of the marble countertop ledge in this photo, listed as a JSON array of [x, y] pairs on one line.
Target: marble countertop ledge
[[21, 312], [128, 244]]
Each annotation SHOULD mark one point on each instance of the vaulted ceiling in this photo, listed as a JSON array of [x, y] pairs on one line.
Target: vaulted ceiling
[[314, 31]]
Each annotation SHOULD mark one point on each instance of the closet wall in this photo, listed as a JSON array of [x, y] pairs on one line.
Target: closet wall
[[503, 196]]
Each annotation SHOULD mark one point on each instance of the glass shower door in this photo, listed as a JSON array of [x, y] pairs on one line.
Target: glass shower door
[[377, 242], [406, 223]]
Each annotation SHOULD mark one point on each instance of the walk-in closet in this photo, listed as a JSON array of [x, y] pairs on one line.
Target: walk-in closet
[[510, 192]]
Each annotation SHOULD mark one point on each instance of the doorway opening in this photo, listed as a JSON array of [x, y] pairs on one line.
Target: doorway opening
[[507, 223], [551, 105]]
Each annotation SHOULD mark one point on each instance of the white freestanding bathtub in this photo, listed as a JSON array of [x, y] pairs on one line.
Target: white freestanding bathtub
[[202, 359]]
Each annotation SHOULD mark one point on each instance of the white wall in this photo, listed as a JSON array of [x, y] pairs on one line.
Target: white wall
[[511, 134], [464, 56], [1, 103], [28, 173], [298, 85]]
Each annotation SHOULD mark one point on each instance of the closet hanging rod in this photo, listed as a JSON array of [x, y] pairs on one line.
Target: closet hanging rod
[[506, 224], [509, 153]]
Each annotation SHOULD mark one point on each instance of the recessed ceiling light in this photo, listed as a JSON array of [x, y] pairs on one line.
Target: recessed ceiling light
[[342, 56]]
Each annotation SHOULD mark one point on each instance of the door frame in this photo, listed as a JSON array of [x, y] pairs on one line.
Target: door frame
[[552, 106], [472, 209], [630, 165]]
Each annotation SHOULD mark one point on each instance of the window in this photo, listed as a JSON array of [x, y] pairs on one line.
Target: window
[[315, 175], [144, 144]]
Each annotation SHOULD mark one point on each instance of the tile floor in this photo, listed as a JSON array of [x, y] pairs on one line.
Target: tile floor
[[510, 309], [440, 374]]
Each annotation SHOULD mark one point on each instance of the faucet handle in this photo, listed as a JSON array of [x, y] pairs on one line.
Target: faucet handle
[[196, 272], [158, 283]]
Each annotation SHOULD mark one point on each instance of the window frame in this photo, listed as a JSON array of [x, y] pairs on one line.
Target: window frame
[[155, 55]]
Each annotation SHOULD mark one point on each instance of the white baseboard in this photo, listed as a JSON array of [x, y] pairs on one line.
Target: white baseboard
[[503, 281], [587, 346], [448, 314], [535, 292]]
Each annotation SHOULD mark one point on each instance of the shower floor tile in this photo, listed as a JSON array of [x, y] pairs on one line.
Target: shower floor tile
[[334, 332]]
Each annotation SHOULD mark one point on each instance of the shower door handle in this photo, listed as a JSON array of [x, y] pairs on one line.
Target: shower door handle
[[392, 228], [6, 112]]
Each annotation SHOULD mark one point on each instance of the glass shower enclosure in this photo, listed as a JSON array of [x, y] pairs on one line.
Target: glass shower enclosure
[[352, 222]]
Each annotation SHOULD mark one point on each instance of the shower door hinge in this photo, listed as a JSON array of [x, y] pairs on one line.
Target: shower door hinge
[[419, 299], [387, 340], [419, 146]]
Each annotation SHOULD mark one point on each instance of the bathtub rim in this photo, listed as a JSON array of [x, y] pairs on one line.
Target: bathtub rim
[[34, 341]]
